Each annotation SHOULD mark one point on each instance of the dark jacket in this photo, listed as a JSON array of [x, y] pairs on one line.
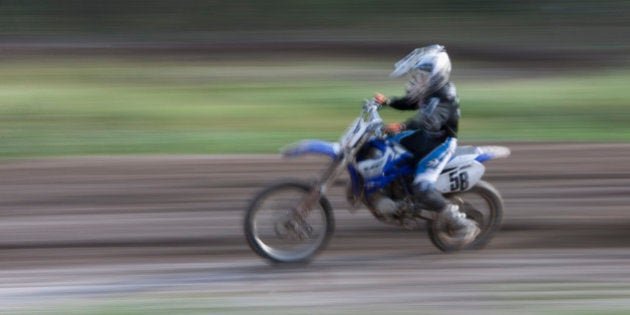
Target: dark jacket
[[437, 119]]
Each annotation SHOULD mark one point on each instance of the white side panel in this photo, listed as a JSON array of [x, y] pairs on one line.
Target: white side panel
[[461, 178], [461, 159]]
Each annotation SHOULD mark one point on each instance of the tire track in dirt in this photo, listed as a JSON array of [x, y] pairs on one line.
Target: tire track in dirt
[[93, 229]]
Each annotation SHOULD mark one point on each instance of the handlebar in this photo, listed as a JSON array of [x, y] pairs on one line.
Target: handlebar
[[373, 103], [372, 117]]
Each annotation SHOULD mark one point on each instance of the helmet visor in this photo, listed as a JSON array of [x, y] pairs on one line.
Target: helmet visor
[[415, 59], [418, 83]]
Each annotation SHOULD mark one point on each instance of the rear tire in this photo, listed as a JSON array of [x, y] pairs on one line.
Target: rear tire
[[274, 234], [470, 202]]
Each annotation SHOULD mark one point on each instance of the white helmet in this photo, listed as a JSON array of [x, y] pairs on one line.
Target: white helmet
[[429, 69]]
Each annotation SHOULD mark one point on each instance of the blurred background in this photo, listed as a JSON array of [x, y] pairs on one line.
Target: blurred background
[[136, 77], [168, 116]]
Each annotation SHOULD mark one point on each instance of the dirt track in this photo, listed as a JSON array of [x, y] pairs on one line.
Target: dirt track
[[142, 234]]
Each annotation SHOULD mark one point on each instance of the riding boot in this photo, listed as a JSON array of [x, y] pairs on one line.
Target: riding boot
[[461, 228], [449, 216]]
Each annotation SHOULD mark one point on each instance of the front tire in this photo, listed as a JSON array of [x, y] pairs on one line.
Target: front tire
[[275, 232], [482, 204]]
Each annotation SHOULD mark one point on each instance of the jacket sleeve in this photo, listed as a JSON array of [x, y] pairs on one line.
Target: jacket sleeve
[[434, 115], [413, 123], [406, 103], [403, 103]]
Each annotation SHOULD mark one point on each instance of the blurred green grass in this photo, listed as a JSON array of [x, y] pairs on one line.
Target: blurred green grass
[[101, 106]]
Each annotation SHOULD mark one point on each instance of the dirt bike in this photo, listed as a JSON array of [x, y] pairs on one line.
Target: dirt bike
[[291, 221]]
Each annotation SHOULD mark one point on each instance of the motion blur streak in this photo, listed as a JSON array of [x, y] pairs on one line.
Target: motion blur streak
[[111, 204], [143, 234]]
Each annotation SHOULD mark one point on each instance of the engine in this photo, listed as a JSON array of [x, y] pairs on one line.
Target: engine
[[392, 203], [373, 161]]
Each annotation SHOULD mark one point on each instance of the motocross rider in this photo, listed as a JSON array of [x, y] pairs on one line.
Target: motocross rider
[[432, 134]]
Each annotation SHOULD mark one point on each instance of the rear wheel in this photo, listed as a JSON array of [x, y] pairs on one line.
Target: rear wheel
[[482, 204], [276, 231]]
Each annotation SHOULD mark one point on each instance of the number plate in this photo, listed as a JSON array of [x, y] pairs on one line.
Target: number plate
[[353, 134], [461, 178]]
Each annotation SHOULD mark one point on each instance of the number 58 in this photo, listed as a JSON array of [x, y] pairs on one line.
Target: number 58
[[459, 181]]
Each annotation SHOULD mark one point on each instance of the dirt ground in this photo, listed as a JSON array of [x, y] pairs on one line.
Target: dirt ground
[[144, 235]]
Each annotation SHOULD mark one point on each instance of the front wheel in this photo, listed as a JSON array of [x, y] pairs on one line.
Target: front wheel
[[482, 204], [276, 231]]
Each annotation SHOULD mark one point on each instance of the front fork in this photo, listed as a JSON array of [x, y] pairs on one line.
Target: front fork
[[297, 225], [320, 186]]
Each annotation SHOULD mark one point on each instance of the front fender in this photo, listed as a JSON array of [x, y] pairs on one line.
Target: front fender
[[311, 147]]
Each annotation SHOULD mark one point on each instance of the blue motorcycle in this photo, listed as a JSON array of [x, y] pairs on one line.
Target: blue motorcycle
[[291, 221]]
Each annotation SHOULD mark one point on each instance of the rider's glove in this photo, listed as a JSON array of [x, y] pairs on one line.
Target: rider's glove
[[381, 99], [394, 129]]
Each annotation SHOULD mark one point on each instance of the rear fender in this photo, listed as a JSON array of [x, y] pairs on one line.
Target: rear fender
[[491, 152]]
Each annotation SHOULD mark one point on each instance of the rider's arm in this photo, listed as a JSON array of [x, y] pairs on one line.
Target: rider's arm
[[403, 103], [433, 116]]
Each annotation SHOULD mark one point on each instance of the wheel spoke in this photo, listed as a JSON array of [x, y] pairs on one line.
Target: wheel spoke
[[280, 233], [481, 204]]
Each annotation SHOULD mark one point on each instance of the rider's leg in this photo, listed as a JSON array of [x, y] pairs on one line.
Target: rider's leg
[[427, 172]]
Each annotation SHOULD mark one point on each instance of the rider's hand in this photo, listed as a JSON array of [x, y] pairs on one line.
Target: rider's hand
[[381, 99], [394, 129]]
